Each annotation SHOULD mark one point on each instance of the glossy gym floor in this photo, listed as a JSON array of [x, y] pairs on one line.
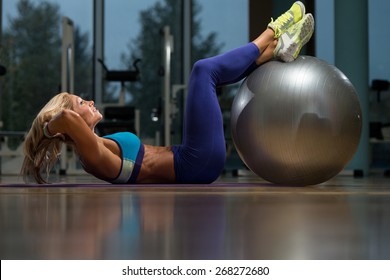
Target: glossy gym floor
[[234, 218]]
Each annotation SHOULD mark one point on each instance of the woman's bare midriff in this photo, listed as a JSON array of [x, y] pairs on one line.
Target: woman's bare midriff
[[157, 166]]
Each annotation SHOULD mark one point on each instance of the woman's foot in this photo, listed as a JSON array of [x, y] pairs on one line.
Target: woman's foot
[[266, 43], [286, 20], [268, 53]]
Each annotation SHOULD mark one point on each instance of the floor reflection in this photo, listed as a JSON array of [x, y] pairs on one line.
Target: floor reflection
[[253, 223], [57, 225]]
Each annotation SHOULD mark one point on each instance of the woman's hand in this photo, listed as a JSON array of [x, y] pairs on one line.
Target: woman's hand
[[48, 134], [57, 126]]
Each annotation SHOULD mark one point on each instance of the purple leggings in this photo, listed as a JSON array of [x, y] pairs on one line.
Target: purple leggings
[[201, 156]]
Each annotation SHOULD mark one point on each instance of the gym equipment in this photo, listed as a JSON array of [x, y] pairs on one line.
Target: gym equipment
[[379, 86], [122, 76], [169, 101], [296, 123], [118, 118], [3, 70], [68, 161]]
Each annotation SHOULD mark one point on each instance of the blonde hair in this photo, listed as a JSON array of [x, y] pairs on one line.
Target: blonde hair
[[41, 153]]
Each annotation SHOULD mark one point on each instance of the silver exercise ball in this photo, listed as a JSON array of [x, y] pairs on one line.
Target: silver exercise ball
[[296, 123]]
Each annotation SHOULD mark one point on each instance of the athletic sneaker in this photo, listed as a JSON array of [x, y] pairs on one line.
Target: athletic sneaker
[[284, 21], [291, 42]]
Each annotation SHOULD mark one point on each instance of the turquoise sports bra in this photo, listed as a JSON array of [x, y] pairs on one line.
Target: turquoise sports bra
[[132, 152]]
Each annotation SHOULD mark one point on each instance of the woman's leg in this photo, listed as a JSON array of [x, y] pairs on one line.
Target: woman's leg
[[201, 157]]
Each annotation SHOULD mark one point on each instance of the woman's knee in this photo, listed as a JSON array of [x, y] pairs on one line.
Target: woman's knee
[[202, 66]]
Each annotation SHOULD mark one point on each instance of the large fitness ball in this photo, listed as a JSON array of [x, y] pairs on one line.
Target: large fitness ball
[[296, 123]]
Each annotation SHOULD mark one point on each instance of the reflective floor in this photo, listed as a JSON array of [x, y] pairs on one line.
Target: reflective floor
[[234, 218]]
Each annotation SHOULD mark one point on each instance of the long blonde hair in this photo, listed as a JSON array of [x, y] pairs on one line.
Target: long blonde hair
[[41, 153]]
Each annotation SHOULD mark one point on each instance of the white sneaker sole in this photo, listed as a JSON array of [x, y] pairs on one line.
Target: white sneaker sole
[[287, 46]]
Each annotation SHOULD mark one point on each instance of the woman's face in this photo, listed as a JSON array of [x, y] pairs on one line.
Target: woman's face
[[86, 110]]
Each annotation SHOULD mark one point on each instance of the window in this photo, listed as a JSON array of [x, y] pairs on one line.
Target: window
[[31, 52]]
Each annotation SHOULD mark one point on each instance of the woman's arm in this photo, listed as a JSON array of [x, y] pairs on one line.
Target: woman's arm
[[96, 158]]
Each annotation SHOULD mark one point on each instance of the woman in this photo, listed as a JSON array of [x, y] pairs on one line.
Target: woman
[[122, 158]]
